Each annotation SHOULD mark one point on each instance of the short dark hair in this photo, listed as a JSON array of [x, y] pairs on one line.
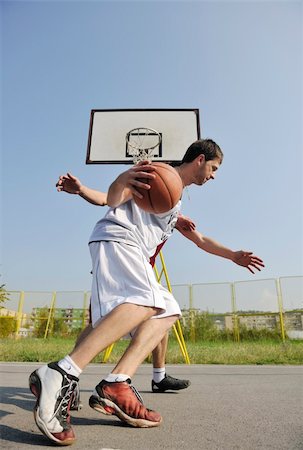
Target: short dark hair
[[205, 147]]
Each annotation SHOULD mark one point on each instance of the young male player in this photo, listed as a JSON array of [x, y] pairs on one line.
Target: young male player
[[125, 296], [161, 382]]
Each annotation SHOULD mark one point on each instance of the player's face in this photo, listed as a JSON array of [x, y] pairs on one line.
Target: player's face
[[206, 170]]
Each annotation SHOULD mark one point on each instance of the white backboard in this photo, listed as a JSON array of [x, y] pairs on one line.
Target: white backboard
[[179, 128]]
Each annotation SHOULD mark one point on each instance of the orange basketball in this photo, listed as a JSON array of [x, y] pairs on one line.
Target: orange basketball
[[165, 190]]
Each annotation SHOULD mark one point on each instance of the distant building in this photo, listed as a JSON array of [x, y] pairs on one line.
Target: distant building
[[4, 312], [293, 322], [25, 332]]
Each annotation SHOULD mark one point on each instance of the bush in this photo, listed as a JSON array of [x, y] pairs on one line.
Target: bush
[[199, 326], [40, 322], [8, 326], [254, 334]]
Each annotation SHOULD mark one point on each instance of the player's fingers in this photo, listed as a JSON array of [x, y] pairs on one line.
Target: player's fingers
[[71, 177], [253, 257], [143, 162], [258, 261], [149, 175], [144, 168], [140, 184], [135, 192]]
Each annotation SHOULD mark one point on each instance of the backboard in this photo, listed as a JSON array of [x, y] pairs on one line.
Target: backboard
[[108, 129]]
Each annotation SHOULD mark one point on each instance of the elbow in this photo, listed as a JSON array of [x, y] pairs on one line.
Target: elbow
[[111, 203]]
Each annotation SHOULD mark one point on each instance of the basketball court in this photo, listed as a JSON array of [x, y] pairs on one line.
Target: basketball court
[[226, 407]]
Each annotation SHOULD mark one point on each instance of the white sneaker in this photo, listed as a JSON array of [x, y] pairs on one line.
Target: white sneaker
[[54, 389]]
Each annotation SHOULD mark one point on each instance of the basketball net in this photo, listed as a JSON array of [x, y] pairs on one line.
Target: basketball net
[[142, 143]]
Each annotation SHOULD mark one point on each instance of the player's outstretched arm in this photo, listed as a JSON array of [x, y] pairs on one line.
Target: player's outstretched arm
[[127, 183], [185, 223], [72, 185], [240, 257]]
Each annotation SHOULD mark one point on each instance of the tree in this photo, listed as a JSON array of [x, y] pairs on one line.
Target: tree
[[4, 295]]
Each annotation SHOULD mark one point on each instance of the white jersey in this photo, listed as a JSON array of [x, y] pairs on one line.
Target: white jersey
[[130, 224]]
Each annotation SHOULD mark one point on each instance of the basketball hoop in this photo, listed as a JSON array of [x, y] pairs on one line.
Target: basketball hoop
[[141, 143]]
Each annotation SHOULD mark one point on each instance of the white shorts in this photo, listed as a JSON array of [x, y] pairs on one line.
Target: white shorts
[[121, 274]]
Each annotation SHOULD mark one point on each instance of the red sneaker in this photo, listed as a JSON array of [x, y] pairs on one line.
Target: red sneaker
[[124, 401]]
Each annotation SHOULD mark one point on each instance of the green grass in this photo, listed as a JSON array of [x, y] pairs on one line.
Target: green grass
[[256, 352]]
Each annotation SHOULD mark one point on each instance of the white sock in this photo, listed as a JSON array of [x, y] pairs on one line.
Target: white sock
[[115, 377], [158, 374], [69, 366]]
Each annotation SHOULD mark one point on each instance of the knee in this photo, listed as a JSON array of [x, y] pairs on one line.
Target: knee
[[171, 320]]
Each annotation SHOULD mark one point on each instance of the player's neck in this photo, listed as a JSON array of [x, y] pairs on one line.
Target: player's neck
[[184, 175]]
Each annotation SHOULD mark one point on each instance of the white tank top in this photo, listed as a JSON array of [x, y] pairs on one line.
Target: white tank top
[[130, 224]]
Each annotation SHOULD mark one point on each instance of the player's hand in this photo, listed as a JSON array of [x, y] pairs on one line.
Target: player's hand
[[185, 223], [69, 183], [137, 176], [248, 260]]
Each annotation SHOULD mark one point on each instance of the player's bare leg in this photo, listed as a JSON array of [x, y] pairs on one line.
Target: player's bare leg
[[115, 394], [143, 342], [76, 402], [54, 384], [119, 322], [159, 352], [83, 334]]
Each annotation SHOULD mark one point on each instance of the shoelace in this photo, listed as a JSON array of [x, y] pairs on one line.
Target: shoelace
[[76, 397], [136, 393], [138, 396], [65, 392]]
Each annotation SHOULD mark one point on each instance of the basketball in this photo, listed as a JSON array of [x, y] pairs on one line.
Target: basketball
[[165, 190]]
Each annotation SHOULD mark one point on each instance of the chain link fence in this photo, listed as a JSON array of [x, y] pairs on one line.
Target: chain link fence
[[259, 308]]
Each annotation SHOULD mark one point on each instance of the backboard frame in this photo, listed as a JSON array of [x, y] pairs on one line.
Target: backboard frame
[[95, 112]]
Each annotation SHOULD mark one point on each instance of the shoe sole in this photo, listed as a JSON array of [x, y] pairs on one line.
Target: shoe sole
[[35, 387], [137, 423], [95, 404], [157, 390]]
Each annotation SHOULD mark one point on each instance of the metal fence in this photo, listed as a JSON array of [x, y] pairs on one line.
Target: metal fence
[[275, 304]]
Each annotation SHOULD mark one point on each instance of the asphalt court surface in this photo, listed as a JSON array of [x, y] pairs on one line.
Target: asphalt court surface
[[226, 407]]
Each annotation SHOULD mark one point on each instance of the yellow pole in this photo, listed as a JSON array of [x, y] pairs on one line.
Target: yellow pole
[[19, 314], [164, 270], [84, 309], [107, 353], [281, 312], [235, 316], [50, 314], [183, 346], [157, 273], [192, 331], [178, 328], [184, 353], [191, 299]]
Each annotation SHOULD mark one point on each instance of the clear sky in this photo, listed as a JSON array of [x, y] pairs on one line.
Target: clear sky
[[240, 63]]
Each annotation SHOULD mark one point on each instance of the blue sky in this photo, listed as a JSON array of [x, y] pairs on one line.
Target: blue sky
[[240, 63]]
